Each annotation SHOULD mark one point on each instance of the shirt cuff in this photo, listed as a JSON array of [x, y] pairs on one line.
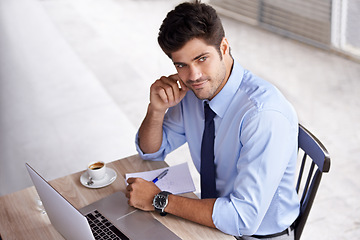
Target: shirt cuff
[[156, 156], [224, 218]]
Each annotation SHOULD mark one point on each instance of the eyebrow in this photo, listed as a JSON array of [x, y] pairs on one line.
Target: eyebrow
[[195, 58]]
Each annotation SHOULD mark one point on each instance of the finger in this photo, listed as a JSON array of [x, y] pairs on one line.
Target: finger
[[170, 87], [131, 180], [179, 89], [130, 203], [129, 188], [158, 89], [176, 86], [163, 96], [170, 93], [182, 88]]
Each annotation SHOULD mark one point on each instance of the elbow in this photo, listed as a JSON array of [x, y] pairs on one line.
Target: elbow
[[239, 227], [249, 230], [249, 223], [231, 219]]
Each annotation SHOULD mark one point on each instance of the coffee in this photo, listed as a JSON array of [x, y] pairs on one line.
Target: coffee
[[96, 166], [96, 170]]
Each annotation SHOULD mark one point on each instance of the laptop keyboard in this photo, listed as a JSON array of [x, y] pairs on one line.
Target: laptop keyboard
[[102, 228]]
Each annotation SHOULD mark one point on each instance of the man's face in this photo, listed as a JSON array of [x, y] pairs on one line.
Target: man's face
[[200, 68]]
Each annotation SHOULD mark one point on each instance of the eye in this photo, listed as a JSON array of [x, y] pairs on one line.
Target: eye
[[180, 65], [202, 59]]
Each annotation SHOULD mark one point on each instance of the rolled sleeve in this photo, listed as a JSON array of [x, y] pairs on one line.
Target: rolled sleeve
[[156, 156], [224, 218]]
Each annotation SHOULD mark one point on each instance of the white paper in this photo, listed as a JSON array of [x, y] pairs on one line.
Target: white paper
[[178, 179]]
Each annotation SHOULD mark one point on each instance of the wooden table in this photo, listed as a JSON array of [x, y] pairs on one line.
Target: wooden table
[[20, 218]]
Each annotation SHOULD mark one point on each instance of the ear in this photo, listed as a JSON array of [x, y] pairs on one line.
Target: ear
[[224, 46]]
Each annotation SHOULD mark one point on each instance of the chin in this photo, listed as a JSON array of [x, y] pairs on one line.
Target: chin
[[201, 96]]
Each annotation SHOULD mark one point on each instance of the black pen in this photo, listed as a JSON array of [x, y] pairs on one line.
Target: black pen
[[161, 175]]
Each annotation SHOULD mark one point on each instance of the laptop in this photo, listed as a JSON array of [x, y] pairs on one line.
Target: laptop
[[108, 218]]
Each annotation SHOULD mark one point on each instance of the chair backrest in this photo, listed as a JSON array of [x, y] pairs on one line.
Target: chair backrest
[[315, 161]]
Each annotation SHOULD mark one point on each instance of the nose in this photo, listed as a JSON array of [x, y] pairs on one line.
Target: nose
[[194, 73]]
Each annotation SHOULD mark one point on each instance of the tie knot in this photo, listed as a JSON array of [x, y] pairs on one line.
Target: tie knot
[[209, 113]]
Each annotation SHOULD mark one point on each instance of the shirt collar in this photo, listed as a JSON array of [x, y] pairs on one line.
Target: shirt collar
[[222, 100]]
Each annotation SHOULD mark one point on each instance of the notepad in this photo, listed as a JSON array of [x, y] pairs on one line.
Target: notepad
[[178, 179]]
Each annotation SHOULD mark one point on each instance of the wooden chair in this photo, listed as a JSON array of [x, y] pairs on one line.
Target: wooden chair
[[315, 161]]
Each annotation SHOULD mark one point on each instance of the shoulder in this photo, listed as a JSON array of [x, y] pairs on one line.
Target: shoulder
[[261, 96]]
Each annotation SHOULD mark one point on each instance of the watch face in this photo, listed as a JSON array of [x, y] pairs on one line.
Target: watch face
[[160, 201]]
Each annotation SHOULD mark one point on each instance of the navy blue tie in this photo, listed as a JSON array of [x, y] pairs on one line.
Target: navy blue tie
[[207, 168]]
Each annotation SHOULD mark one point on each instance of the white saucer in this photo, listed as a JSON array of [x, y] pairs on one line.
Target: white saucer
[[109, 178]]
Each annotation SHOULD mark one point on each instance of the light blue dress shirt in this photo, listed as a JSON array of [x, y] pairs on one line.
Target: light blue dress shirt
[[256, 131]]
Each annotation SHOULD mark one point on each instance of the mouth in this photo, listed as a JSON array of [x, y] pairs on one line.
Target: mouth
[[198, 85]]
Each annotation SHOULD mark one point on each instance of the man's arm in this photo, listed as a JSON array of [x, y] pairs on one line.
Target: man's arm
[[141, 193], [150, 131], [195, 210], [164, 93]]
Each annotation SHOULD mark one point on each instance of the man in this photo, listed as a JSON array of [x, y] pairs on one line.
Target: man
[[249, 193]]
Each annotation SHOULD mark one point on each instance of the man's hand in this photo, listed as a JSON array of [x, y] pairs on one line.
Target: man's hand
[[165, 93], [141, 193]]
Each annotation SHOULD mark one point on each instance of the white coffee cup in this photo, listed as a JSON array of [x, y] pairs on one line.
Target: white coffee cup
[[96, 170]]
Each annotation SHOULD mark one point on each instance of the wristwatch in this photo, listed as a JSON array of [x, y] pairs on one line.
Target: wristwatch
[[161, 201]]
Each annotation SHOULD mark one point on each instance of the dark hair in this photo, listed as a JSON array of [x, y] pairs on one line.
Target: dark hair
[[188, 21]]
